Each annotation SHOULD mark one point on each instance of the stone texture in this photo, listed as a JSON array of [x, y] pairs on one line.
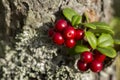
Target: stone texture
[[29, 53]]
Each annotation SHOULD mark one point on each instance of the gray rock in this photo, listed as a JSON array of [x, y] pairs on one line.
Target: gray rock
[[29, 52]]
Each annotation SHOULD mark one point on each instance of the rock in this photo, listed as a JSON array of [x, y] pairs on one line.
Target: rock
[[33, 56]]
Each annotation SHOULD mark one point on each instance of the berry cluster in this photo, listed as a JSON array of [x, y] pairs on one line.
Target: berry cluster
[[92, 61], [64, 33], [92, 40]]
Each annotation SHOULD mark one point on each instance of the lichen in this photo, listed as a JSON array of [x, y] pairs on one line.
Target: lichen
[[34, 56]]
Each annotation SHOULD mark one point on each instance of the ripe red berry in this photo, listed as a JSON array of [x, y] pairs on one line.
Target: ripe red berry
[[87, 56], [70, 43], [69, 33], [58, 39], [98, 56], [60, 25], [96, 66], [51, 32], [82, 66], [79, 34]]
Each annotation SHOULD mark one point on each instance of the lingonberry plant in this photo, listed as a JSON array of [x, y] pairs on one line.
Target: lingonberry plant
[[60, 25], [86, 57], [69, 33], [93, 41], [82, 65]]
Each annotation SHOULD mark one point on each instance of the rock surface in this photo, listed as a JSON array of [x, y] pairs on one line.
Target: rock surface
[[29, 53]]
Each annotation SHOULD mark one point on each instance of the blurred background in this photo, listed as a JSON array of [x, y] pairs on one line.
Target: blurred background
[[113, 71], [115, 22]]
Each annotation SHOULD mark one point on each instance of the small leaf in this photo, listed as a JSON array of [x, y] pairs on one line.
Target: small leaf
[[99, 31], [108, 51], [81, 48], [105, 40], [76, 19], [91, 39], [86, 17], [89, 25], [69, 13], [103, 27]]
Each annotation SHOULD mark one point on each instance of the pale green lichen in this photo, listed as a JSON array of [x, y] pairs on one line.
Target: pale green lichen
[[33, 57]]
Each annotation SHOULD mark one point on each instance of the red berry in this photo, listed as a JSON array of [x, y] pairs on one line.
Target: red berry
[[60, 25], [79, 34], [51, 32], [58, 39], [69, 33], [96, 66], [70, 43], [82, 66], [98, 56], [87, 56]]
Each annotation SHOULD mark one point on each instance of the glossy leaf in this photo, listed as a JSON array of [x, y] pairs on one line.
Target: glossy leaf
[[91, 39], [81, 48], [69, 13], [89, 25], [105, 40], [108, 51], [76, 19], [103, 28], [99, 31]]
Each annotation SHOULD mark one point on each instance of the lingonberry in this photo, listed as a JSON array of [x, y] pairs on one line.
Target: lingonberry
[[96, 66], [70, 43], [60, 25], [79, 34], [58, 39], [87, 56], [69, 33], [99, 56], [82, 66], [51, 32]]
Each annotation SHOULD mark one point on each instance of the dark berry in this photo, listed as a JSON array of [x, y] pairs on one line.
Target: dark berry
[[69, 33], [96, 66], [82, 66], [70, 43], [58, 39], [98, 56], [87, 56], [79, 34], [60, 25], [51, 32]]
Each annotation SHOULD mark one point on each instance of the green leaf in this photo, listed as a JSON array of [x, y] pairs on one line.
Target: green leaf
[[103, 28], [105, 40], [89, 25], [91, 39], [81, 48], [86, 17], [99, 31], [69, 13], [108, 51], [76, 19]]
